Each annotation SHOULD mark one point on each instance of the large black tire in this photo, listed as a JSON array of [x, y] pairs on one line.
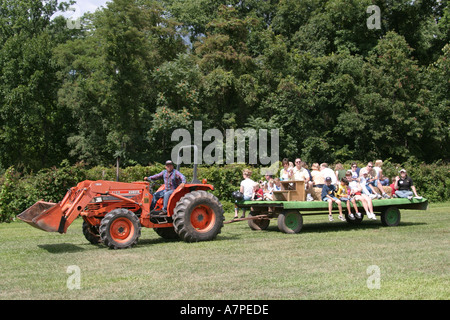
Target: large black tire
[[120, 229], [290, 221], [198, 216], [167, 233], [91, 233]]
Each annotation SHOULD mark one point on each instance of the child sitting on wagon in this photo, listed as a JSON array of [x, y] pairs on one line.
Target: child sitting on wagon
[[328, 194], [258, 193], [343, 194]]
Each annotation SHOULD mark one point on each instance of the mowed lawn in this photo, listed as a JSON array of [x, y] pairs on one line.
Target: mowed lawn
[[327, 260]]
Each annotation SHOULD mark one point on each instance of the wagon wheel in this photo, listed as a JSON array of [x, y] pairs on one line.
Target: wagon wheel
[[290, 221], [258, 224], [390, 216], [120, 229]]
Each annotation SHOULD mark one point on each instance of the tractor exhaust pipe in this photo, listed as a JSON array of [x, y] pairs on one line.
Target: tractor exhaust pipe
[[194, 173]]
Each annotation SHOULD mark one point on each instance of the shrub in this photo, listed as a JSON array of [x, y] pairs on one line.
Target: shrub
[[19, 191], [7, 210]]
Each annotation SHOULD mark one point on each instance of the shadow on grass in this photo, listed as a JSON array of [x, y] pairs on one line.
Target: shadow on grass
[[313, 227], [61, 248], [220, 237], [319, 227]]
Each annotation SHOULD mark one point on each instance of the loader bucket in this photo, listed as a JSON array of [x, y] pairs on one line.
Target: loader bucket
[[46, 216]]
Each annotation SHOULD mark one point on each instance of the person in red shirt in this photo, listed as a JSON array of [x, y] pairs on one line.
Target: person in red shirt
[[258, 192]]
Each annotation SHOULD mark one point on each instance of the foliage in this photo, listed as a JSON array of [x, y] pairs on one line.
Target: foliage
[[413, 259], [164, 122], [19, 191], [7, 211], [136, 70], [32, 123]]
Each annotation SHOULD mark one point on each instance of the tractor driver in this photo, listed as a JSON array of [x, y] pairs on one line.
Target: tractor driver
[[172, 179]]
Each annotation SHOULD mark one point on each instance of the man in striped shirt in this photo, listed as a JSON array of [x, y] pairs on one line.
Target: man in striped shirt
[[172, 179]]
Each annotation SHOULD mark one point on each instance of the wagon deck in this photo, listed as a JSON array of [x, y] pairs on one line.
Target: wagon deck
[[289, 214], [316, 206]]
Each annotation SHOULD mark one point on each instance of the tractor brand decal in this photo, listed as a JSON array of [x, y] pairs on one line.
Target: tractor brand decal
[[127, 192]]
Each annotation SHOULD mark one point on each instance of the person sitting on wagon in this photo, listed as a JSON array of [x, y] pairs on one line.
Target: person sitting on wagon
[[328, 194], [172, 180], [404, 185], [343, 194], [373, 180], [246, 189], [258, 192]]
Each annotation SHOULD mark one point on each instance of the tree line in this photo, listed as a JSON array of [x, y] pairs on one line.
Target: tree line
[[120, 82]]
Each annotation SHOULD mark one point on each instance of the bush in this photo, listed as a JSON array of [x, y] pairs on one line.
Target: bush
[[7, 212], [19, 191]]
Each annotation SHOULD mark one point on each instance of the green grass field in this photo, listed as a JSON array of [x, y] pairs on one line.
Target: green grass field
[[327, 260]]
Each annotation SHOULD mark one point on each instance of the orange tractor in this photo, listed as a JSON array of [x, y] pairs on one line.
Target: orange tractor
[[113, 212]]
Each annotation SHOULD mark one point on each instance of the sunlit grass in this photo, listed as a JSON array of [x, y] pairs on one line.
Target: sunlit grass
[[325, 261]]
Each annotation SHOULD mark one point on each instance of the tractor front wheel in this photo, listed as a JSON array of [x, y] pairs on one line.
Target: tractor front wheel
[[120, 229], [91, 233], [198, 216]]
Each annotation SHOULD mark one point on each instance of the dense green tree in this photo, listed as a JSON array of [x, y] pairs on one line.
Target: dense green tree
[[417, 21], [32, 124], [133, 72], [385, 117], [227, 85], [435, 100], [108, 79]]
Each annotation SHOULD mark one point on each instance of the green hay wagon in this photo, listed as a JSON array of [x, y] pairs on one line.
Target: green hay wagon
[[289, 214]]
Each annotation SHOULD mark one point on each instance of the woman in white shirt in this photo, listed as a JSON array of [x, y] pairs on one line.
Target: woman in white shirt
[[246, 189], [286, 172]]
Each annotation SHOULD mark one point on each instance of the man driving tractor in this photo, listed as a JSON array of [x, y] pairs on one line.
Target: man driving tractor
[[172, 179]]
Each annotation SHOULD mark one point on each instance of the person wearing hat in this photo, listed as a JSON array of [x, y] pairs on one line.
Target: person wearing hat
[[405, 186], [172, 180], [328, 194]]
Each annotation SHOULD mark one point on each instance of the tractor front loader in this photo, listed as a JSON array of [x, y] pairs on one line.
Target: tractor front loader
[[114, 212]]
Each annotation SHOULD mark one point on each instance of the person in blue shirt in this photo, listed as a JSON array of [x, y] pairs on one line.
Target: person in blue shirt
[[329, 194], [172, 180]]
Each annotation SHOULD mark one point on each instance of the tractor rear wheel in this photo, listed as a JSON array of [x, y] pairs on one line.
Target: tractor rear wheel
[[120, 229], [198, 216]]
